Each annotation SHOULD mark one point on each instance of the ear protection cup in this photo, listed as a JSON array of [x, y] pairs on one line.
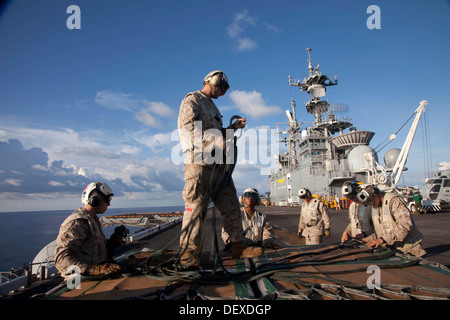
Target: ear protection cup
[[216, 79], [350, 189], [94, 201], [304, 193], [95, 192], [366, 192]]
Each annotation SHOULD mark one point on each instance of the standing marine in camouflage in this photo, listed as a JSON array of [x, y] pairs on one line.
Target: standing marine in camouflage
[[203, 140], [81, 241], [314, 220], [391, 220]]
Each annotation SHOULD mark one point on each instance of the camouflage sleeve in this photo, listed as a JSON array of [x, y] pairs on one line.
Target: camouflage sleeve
[[301, 224], [69, 241], [348, 230], [268, 234], [225, 236], [403, 221], [189, 112], [325, 217]]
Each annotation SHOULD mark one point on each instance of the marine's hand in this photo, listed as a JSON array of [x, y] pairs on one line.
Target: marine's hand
[[105, 268], [272, 245], [344, 237], [327, 233], [375, 243], [240, 123]]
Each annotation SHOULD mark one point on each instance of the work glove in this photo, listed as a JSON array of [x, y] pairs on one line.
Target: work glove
[[105, 268], [272, 245], [227, 247], [327, 233]]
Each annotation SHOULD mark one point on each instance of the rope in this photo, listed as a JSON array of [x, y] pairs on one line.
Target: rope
[[375, 149]]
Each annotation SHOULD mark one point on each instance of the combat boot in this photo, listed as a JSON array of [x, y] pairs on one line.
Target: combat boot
[[189, 261], [240, 250]]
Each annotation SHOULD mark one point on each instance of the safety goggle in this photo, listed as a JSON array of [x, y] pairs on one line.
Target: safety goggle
[[108, 198], [224, 83], [251, 194]]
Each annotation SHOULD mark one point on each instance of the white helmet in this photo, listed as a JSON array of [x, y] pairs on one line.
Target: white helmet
[[304, 193], [217, 78], [366, 193], [349, 189], [96, 186], [251, 192]]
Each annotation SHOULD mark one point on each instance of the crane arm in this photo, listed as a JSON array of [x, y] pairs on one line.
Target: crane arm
[[401, 160]]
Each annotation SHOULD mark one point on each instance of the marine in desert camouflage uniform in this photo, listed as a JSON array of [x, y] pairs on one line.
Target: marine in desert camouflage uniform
[[203, 140], [81, 241], [314, 221], [256, 226], [392, 222]]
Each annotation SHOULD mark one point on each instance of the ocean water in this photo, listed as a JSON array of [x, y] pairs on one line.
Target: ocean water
[[24, 234]]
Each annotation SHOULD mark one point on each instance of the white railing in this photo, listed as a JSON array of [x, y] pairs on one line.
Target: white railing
[[147, 232], [12, 282]]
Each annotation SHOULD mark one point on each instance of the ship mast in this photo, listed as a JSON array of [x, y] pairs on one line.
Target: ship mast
[[315, 85]]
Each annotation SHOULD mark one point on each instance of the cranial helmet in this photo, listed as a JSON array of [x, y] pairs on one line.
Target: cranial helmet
[[366, 193], [217, 79], [349, 189], [304, 193], [93, 191], [253, 193]]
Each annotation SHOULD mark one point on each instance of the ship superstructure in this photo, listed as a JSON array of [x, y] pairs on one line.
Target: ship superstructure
[[322, 156]]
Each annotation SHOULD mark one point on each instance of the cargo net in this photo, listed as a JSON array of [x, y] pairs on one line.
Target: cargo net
[[322, 272], [327, 271]]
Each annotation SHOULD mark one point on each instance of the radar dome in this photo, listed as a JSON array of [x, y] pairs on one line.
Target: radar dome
[[390, 157], [356, 160]]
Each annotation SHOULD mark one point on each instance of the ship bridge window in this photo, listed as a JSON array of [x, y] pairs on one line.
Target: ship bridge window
[[437, 181], [446, 183], [435, 188]]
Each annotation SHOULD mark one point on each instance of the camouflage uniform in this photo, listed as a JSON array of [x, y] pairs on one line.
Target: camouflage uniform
[[393, 223], [360, 220], [199, 124], [314, 220], [80, 242], [257, 229]]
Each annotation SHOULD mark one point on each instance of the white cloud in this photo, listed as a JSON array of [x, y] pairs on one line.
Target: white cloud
[[252, 104], [56, 183], [240, 21], [246, 44], [239, 27], [148, 116], [64, 159], [115, 100], [148, 119], [145, 111], [157, 142], [13, 182], [159, 108]]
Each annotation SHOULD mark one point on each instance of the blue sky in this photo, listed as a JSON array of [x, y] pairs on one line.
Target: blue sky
[[101, 102]]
